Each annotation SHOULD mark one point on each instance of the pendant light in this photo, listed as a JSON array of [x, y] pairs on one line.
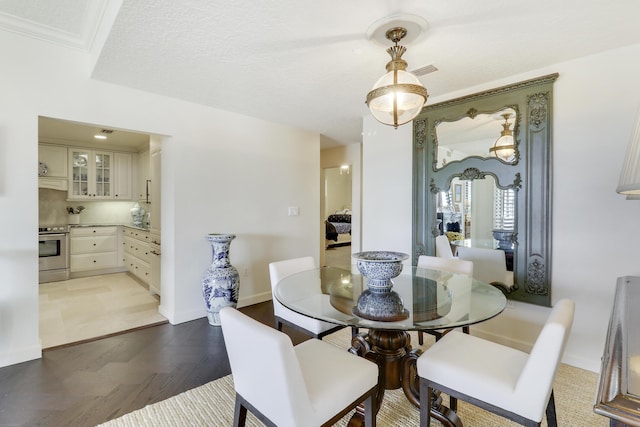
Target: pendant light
[[504, 148], [398, 96]]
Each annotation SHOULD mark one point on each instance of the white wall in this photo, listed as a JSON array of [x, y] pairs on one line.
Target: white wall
[[222, 172], [595, 230]]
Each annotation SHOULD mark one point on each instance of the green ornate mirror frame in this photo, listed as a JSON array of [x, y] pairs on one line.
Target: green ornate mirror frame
[[529, 176]]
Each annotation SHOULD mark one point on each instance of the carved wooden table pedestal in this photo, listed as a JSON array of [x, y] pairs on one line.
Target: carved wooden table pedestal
[[396, 360]]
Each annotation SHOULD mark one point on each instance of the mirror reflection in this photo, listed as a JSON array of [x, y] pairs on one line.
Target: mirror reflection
[[499, 198], [478, 213], [483, 135]]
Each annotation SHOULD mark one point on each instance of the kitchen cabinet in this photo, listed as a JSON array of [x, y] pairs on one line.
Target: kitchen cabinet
[[143, 177], [102, 175], [155, 263], [137, 253], [90, 174], [94, 250], [123, 176], [155, 173], [53, 172]]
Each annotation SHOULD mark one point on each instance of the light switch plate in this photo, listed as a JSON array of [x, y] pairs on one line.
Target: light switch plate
[[294, 211]]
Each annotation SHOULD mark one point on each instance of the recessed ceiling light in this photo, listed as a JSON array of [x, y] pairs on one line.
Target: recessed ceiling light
[[99, 136]]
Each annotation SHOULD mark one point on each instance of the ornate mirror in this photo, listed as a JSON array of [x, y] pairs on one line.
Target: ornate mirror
[[481, 134], [482, 176]]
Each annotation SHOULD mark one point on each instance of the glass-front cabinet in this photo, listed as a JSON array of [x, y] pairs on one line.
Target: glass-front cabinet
[[91, 174]]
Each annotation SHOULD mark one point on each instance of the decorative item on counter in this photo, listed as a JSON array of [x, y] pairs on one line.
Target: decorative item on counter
[[137, 214], [73, 210], [221, 283], [505, 238], [74, 214], [379, 302]]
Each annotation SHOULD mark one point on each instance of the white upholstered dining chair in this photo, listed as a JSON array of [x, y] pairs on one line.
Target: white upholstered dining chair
[[500, 379], [284, 316], [490, 266], [443, 247], [452, 265], [311, 384]]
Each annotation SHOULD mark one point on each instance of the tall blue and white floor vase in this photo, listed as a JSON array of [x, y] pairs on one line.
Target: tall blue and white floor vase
[[221, 282]]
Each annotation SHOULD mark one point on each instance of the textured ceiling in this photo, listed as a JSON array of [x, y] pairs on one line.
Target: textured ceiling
[[309, 64]]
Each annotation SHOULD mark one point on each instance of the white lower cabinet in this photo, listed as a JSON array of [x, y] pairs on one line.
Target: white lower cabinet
[[137, 253], [155, 253], [94, 250]]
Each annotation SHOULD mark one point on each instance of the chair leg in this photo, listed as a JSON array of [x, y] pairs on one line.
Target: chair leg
[[465, 329], [420, 338], [278, 325], [239, 414], [425, 403], [551, 412], [354, 331], [453, 403], [370, 411]]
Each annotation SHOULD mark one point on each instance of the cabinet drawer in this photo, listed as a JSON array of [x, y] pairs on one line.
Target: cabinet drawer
[[143, 271], [137, 249], [136, 234], [83, 262], [93, 244], [94, 231], [138, 268]]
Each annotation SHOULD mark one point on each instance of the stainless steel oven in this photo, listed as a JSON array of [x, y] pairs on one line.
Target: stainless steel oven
[[53, 253]]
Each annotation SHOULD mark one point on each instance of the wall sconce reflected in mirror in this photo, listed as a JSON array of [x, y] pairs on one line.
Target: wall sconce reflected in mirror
[[629, 183], [504, 148]]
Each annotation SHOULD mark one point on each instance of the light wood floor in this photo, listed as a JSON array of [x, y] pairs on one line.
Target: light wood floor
[[338, 257], [91, 307]]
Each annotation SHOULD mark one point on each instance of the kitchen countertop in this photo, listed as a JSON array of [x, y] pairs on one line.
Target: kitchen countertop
[[108, 225]]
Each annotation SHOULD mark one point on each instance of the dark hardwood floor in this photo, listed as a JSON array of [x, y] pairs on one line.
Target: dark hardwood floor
[[90, 383]]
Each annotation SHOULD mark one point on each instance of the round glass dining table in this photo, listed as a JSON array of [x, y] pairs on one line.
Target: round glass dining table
[[431, 300]]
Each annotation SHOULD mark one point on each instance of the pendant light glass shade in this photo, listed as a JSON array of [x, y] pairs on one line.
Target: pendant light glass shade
[[629, 183], [398, 96], [504, 147]]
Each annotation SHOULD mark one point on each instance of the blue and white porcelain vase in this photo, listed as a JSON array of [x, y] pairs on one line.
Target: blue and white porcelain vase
[[137, 212], [221, 282]]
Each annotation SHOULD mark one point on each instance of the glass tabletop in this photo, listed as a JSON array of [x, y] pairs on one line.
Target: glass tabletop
[[431, 299]]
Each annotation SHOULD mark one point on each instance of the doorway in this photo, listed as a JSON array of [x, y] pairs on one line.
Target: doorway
[[337, 214], [98, 301]]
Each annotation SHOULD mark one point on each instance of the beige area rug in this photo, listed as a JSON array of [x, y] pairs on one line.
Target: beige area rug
[[212, 404]]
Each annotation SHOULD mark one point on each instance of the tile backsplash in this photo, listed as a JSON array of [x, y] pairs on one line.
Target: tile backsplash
[[53, 209]]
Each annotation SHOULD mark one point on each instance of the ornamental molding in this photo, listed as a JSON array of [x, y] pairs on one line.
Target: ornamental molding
[[496, 91]]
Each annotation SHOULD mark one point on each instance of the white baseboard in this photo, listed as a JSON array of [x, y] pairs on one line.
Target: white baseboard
[[21, 355], [254, 299], [568, 358]]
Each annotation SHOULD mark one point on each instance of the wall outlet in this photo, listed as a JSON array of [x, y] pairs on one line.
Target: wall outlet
[[294, 211]]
